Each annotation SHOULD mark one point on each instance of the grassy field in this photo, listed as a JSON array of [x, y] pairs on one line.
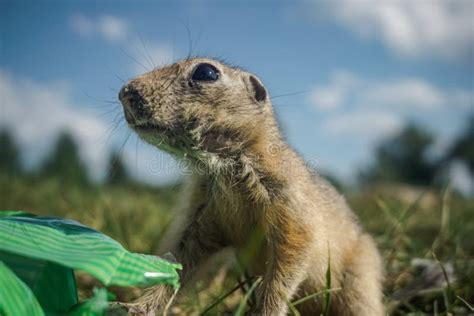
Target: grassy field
[[408, 225]]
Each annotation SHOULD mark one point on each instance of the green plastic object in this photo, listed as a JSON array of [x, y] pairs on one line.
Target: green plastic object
[[43, 251], [53, 285], [15, 296]]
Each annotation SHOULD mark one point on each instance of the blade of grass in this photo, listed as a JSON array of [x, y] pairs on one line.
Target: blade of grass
[[327, 294], [388, 213], [446, 210], [253, 297], [168, 304], [292, 309], [399, 226], [445, 215], [311, 296], [471, 308], [448, 293], [225, 295], [243, 302]]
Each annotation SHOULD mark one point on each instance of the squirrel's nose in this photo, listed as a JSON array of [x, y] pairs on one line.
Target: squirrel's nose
[[129, 96], [133, 104]]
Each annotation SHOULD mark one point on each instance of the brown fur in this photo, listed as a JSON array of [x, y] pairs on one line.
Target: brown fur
[[250, 190]]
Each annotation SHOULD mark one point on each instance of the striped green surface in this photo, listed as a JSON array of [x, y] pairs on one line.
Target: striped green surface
[[71, 244], [53, 285], [15, 297]]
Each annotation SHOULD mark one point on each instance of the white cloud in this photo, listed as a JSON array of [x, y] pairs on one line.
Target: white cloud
[[354, 106], [38, 113], [111, 28], [405, 94], [370, 125], [440, 28], [334, 94]]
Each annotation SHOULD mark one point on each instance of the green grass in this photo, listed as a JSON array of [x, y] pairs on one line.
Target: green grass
[[430, 224]]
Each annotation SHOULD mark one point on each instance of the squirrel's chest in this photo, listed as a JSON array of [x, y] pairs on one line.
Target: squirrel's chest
[[236, 218]]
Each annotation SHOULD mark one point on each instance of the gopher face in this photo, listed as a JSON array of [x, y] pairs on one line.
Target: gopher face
[[197, 106]]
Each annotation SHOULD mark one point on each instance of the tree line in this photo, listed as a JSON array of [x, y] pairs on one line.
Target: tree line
[[63, 162], [405, 157], [402, 158]]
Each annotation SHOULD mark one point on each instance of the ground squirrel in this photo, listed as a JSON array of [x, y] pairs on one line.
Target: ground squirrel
[[247, 182]]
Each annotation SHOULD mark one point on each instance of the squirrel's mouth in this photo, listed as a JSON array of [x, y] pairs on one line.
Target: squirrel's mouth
[[161, 137], [147, 127], [138, 125]]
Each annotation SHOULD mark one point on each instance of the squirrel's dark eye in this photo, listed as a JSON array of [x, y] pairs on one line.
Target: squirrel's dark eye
[[205, 72]]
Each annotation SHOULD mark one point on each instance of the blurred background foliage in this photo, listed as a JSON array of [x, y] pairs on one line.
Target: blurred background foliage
[[403, 158]]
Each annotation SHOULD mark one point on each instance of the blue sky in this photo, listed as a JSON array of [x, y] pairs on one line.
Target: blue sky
[[361, 70]]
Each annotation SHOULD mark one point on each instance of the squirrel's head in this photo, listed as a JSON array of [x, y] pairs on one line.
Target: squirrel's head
[[198, 107]]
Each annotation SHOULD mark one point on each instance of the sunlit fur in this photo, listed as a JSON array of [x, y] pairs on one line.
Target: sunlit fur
[[250, 190]]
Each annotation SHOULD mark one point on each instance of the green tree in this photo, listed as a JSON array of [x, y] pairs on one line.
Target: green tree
[[65, 163], [463, 147], [117, 172], [403, 158], [9, 154]]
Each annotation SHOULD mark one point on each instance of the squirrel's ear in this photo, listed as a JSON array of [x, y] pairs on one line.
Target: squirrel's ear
[[256, 88]]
